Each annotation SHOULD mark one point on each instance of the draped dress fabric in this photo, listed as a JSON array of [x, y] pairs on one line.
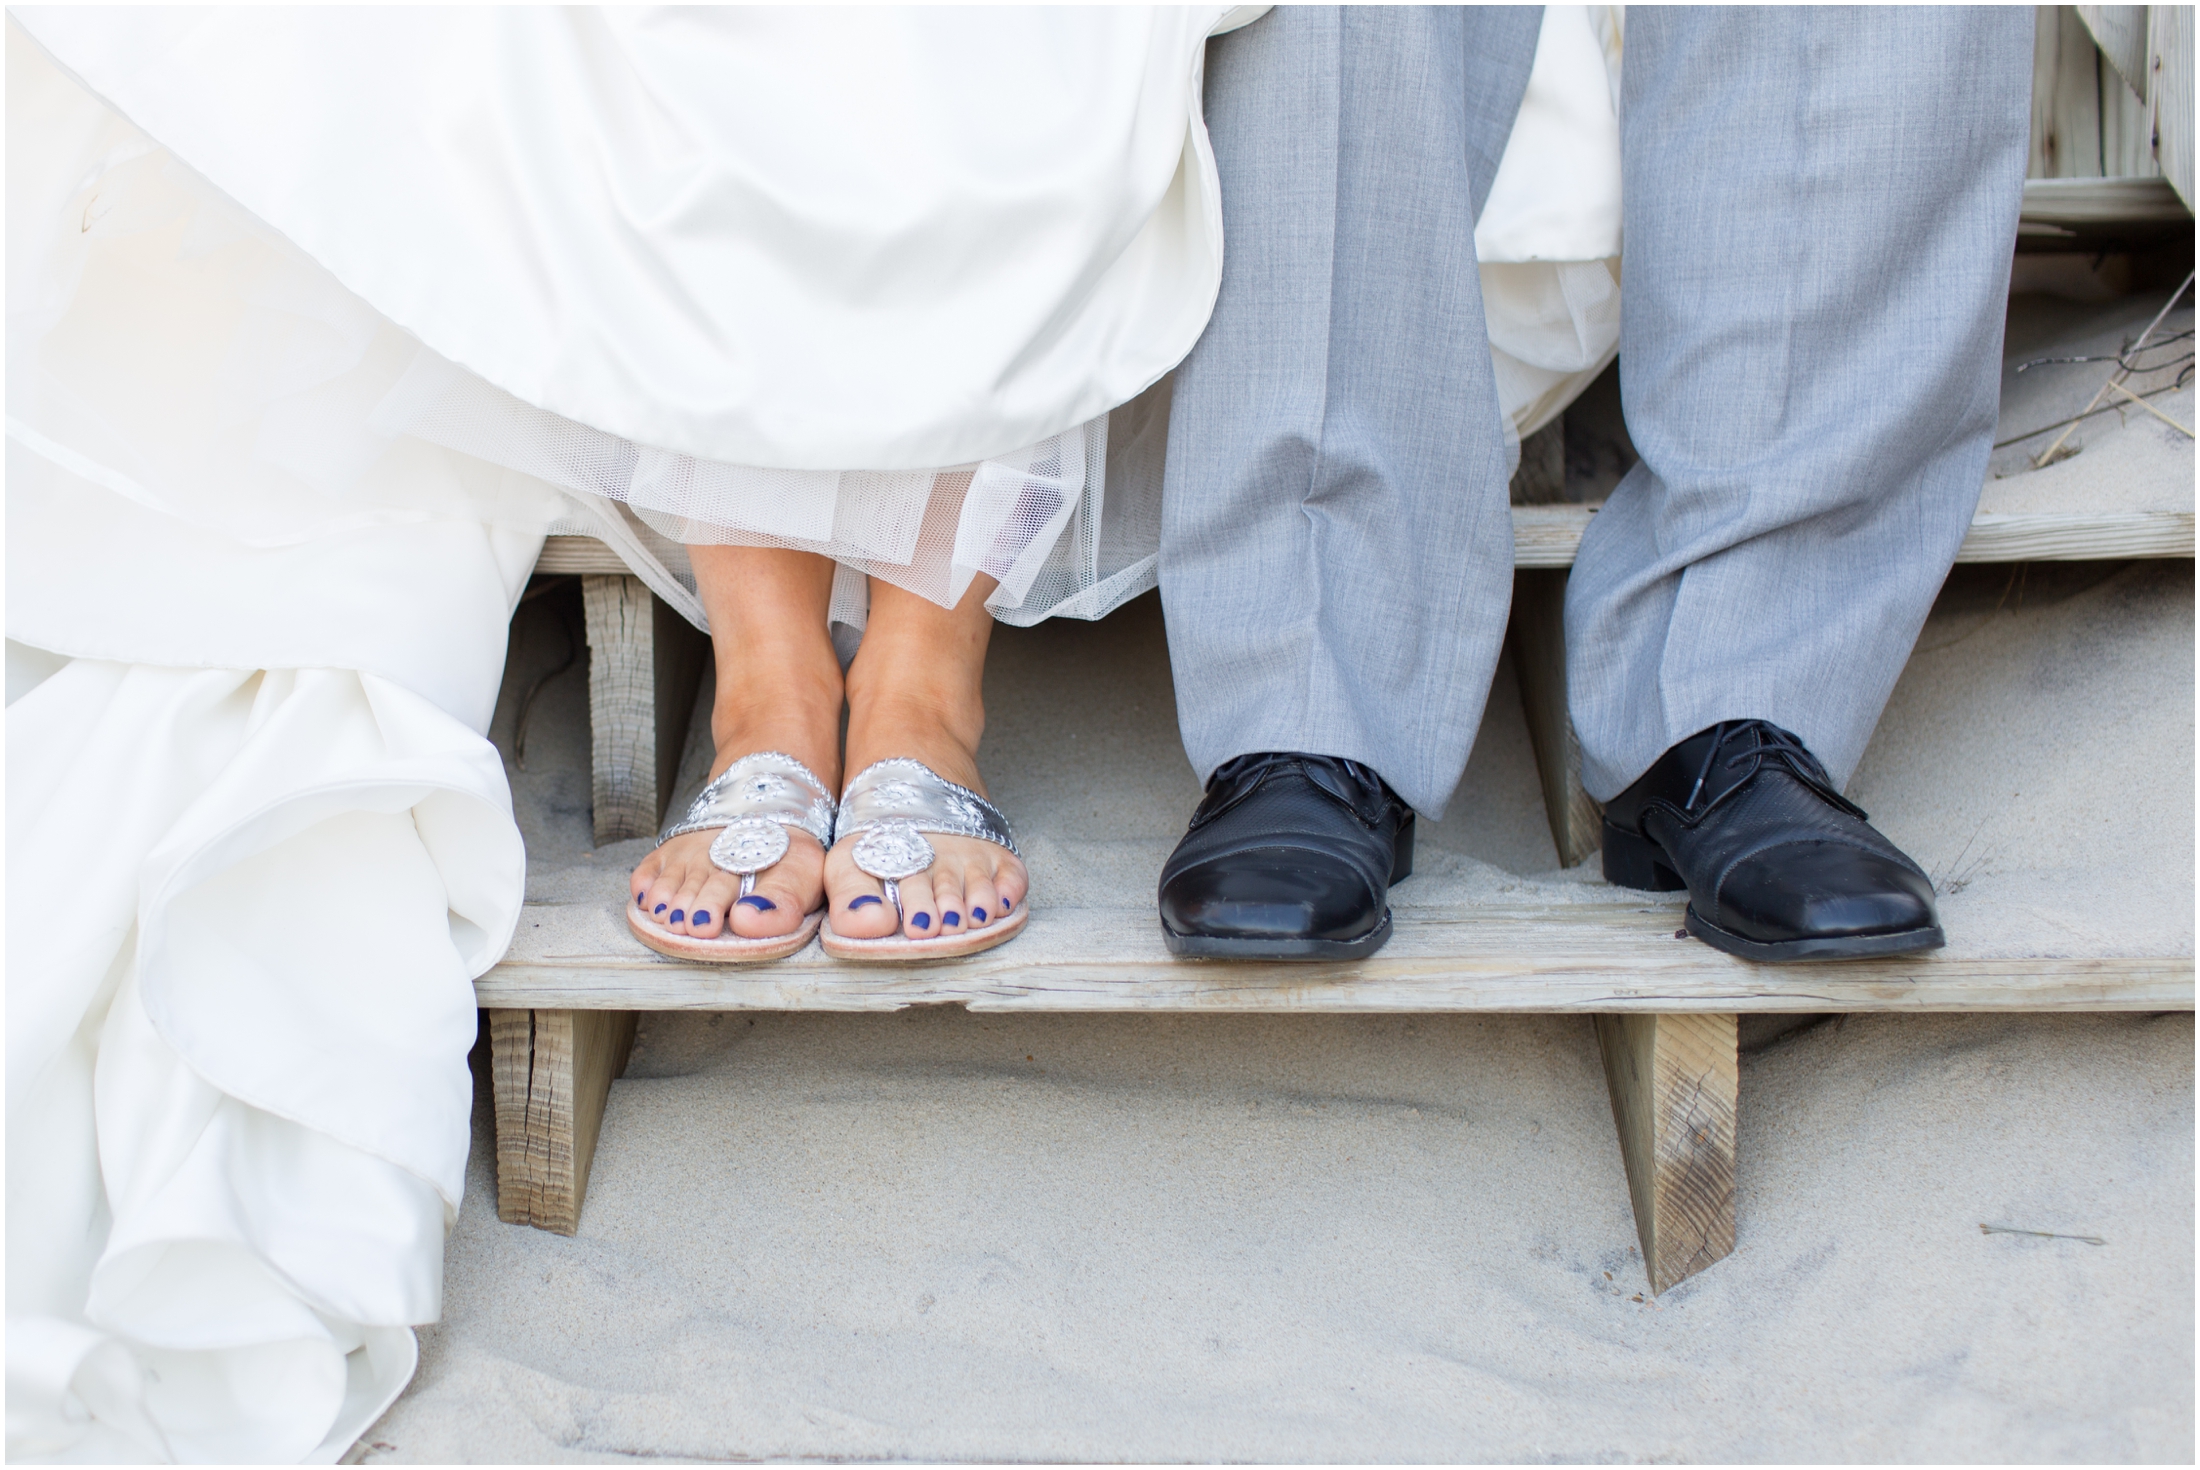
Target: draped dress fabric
[[257, 844], [318, 322], [866, 283]]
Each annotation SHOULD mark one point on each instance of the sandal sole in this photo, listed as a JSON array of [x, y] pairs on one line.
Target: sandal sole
[[900, 949], [724, 951]]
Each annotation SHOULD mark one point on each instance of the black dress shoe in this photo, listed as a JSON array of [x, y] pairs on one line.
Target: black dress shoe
[[1289, 857], [1777, 864]]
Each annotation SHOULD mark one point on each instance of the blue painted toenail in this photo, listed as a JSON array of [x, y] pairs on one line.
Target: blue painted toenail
[[856, 903], [977, 916], [658, 910], [758, 902], [702, 916], [922, 921], [1007, 904], [641, 898], [678, 915], [951, 917]]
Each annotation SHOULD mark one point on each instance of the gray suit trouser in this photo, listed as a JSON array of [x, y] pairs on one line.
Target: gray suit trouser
[[1819, 212]]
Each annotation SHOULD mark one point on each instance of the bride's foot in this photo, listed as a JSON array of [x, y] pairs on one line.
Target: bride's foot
[[915, 690], [779, 688]]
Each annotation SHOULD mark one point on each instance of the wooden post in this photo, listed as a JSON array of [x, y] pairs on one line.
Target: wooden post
[[2066, 97], [644, 665], [1672, 1079], [2170, 94], [552, 1073], [1538, 639]]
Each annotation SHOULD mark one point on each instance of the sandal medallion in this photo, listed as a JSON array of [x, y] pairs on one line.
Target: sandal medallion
[[892, 851], [748, 847]]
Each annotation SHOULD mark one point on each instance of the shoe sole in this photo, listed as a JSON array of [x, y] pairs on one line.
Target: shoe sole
[[1817, 947], [1218, 947]]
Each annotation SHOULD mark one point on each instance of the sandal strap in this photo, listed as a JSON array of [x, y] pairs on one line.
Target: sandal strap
[[907, 793], [770, 785]]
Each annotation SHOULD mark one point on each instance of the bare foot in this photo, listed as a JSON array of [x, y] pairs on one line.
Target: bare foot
[[915, 689], [779, 688]]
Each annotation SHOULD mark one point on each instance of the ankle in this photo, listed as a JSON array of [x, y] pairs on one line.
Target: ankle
[[922, 723], [796, 715]]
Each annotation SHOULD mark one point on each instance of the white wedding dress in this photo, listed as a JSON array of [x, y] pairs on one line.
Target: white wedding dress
[[318, 322]]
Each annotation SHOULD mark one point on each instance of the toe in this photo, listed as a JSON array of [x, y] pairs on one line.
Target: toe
[[920, 910], [677, 873], [1011, 883], [658, 900], [947, 897], [772, 909], [981, 901], [686, 899], [784, 895], [644, 878], [859, 906], [707, 908]]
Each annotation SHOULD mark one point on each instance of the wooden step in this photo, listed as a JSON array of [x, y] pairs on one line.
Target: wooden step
[[2060, 206], [1609, 956], [1549, 536], [562, 1010]]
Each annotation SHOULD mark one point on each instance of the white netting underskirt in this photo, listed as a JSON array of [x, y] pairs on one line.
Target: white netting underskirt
[[1032, 520]]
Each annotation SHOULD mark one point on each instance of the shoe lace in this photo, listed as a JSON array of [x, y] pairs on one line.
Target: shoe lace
[[1243, 771], [1773, 743]]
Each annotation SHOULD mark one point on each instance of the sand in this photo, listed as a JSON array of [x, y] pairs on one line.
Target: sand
[[934, 1235]]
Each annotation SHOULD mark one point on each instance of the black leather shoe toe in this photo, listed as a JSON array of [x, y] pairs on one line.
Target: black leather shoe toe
[[1289, 856], [1777, 863], [1825, 899]]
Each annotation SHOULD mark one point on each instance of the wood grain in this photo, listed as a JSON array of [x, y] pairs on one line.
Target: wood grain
[[2107, 536], [622, 705], [1537, 637], [1550, 535], [2121, 33], [2170, 93], [2066, 99], [1673, 1081], [1587, 957], [552, 1072], [644, 666], [2112, 201]]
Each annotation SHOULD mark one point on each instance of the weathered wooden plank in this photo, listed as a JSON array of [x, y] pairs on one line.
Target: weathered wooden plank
[[1537, 639], [2066, 100], [511, 1065], [552, 1073], [644, 666], [1673, 1081], [2170, 93], [2121, 33], [2104, 537], [2115, 201], [1550, 536], [1588, 957], [578, 556]]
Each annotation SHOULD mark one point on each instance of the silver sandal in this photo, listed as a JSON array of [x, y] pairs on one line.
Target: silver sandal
[[885, 812], [755, 800]]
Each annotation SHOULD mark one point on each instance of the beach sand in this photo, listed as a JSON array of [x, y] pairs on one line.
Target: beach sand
[[937, 1235]]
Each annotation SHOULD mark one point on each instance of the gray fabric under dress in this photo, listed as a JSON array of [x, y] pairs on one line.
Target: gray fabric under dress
[[1819, 211]]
